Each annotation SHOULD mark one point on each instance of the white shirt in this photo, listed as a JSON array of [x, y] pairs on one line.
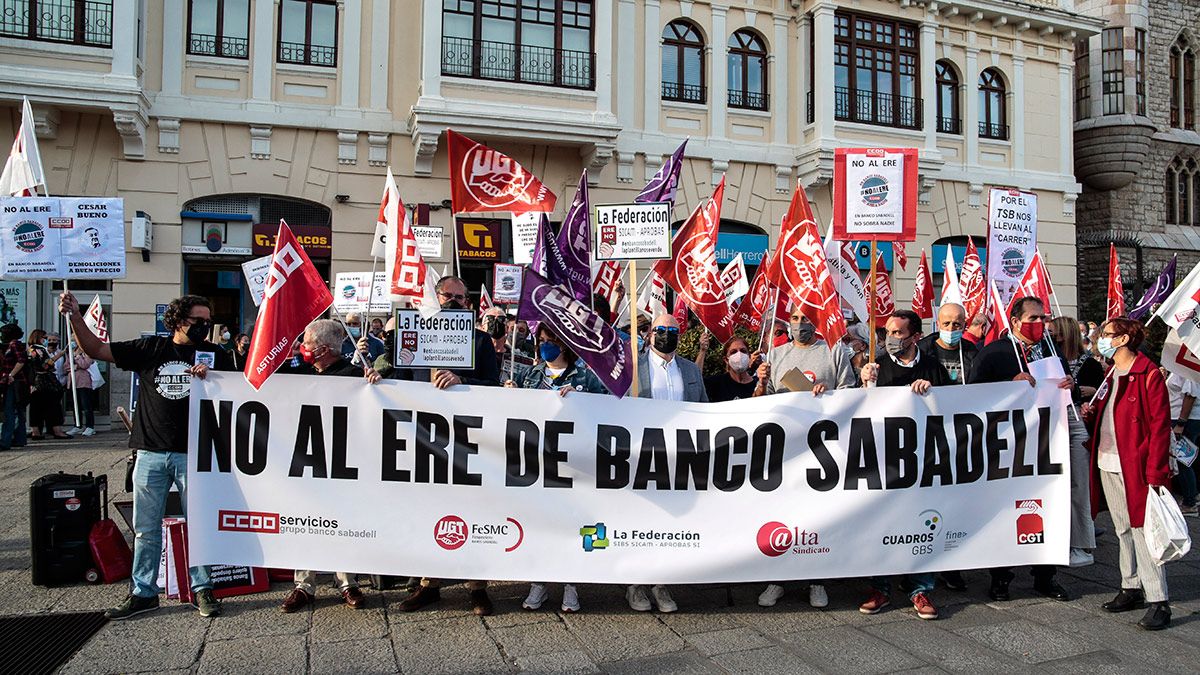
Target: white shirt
[[1108, 457], [666, 382], [1176, 388]]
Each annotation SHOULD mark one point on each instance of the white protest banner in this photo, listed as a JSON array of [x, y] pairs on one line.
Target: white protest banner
[[256, 272], [429, 241], [633, 231], [444, 340], [517, 484], [30, 247], [875, 194], [94, 246], [524, 236], [506, 284], [1012, 238], [353, 290]]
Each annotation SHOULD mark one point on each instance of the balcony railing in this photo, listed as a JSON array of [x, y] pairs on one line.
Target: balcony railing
[[748, 100], [997, 132], [485, 60], [870, 107], [812, 108], [311, 55], [80, 22], [949, 125], [209, 45], [687, 93]]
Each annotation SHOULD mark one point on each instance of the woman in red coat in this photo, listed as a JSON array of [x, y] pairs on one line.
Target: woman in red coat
[[1131, 427]]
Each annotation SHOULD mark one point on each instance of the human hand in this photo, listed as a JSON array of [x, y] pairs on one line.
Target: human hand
[[818, 389], [1025, 377], [921, 387], [446, 379]]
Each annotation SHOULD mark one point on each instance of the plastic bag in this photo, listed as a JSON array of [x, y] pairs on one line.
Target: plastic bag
[[1165, 529]]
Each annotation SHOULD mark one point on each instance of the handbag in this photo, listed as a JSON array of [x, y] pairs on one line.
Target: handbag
[[1165, 529]]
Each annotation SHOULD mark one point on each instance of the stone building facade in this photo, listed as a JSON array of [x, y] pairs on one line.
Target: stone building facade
[[1137, 148]]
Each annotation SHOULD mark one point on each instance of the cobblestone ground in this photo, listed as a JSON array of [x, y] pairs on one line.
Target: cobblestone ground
[[717, 629]]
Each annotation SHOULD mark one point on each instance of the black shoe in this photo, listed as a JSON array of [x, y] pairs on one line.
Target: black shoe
[[132, 606], [207, 603], [425, 595], [1158, 617], [1127, 599], [954, 581], [1052, 590], [481, 604], [999, 590]]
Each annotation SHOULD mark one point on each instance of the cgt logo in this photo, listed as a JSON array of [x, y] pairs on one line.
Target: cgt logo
[[248, 521], [1029, 522]]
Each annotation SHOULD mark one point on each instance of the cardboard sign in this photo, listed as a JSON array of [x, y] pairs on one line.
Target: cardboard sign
[[633, 231], [429, 240], [444, 340], [478, 238], [353, 292], [62, 238], [875, 194], [506, 286], [255, 272], [524, 236]]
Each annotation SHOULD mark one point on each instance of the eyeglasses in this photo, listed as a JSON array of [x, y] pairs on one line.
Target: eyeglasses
[[453, 296], [666, 330]]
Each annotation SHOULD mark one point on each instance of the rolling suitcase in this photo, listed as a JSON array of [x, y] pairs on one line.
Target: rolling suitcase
[[62, 510], [111, 556]]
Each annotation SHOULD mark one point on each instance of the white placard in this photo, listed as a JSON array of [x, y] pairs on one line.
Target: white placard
[[429, 241], [352, 291], [62, 238], [633, 231], [506, 287], [1012, 237], [94, 246], [445, 340], [255, 272], [1048, 369], [875, 194], [524, 236], [733, 279]]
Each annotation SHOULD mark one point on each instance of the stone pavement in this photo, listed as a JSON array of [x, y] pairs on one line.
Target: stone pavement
[[708, 635]]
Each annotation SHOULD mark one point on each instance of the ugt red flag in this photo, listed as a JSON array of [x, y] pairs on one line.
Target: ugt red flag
[[885, 301], [482, 179], [294, 295], [1116, 289], [971, 283], [922, 302], [693, 272], [803, 272]]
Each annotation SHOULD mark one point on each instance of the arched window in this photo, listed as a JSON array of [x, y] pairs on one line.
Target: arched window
[[1183, 85], [992, 121], [1183, 192], [747, 71], [949, 121], [682, 63]]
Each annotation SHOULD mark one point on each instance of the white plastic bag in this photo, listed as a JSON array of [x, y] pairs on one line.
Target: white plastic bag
[[1165, 529]]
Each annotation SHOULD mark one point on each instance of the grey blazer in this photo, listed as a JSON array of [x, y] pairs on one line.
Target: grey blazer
[[693, 379]]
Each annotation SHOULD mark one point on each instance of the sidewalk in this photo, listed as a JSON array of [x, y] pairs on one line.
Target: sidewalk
[[1027, 634]]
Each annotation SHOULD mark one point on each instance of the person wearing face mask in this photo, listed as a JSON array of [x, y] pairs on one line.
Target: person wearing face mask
[[165, 366], [1004, 360], [495, 324], [738, 380], [241, 346], [977, 330], [947, 345], [357, 341]]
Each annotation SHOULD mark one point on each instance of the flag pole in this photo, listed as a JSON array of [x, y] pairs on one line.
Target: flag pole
[[457, 263], [1050, 291], [71, 362], [366, 355], [871, 302], [773, 307], [512, 351], [633, 326]]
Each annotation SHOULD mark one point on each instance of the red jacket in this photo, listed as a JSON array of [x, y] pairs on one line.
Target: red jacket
[[1142, 424]]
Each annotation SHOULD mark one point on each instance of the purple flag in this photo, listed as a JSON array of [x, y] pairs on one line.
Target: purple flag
[[575, 243], [1156, 294], [589, 335], [662, 187]]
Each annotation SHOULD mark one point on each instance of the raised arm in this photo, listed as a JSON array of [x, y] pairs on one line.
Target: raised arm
[[87, 340]]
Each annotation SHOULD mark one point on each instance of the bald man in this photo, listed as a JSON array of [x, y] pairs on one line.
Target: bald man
[[947, 344], [660, 374]]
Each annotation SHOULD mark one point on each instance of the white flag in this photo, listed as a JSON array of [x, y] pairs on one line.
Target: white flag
[[651, 301], [1180, 311], [733, 279], [950, 290], [846, 279], [23, 170], [1180, 360], [94, 318]]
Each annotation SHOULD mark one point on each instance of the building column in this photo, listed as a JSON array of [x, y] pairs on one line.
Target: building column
[[781, 62], [929, 93], [350, 43], [1065, 123], [174, 19], [603, 39], [124, 38], [626, 70], [1018, 110], [263, 46], [971, 106], [718, 100], [823, 93], [431, 48], [381, 22], [804, 37], [652, 92]]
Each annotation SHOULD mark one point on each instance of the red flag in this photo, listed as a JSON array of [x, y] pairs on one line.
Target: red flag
[[1116, 289], [482, 180], [803, 273], [485, 299], [971, 283], [608, 277], [885, 302], [922, 302], [749, 312], [999, 321], [294, 295], [1035, 283], [693, 272], [681, 313], [901, 254]]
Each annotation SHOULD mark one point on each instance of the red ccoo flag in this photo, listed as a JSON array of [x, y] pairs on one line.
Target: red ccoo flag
[[885, 302], [482, 180], [922, 302], [802, 271], [1116, 289], [999, 321], [971, 283], [1035, 283], [693, 272], [294, 295], [901, 254]]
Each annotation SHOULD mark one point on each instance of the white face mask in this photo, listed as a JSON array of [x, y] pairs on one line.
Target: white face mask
[[739, 361]]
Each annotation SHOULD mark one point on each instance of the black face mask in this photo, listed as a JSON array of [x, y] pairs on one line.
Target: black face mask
[[496, 327], [198, 331], [665, 343], [452, 304]]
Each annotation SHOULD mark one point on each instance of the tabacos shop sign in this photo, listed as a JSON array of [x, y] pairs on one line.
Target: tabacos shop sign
[[317, 240]]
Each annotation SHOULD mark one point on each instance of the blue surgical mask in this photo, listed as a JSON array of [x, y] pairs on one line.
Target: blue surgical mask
[[549, 351], [355, 331], [950, 337], [1105, 346]]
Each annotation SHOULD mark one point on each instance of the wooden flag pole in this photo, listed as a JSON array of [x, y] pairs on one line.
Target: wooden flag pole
[[633, 325], [871, 302]]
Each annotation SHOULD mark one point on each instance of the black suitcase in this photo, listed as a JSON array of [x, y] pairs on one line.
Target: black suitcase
[[62, 509]]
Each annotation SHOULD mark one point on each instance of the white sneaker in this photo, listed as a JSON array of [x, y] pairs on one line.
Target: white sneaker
[[770, 596], [537, 595], [570, 603], [637, 599], [662, 598], [75, 431], [1081, 558], [89, 432], [817, 597]]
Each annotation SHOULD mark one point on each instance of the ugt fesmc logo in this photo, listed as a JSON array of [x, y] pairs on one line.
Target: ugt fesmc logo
[[452, 533], [1029, 522], [248, 521]]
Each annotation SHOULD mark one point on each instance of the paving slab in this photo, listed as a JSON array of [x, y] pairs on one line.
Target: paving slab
[[574, 661], [1028, 641], [846, 649], [283, 654], [353, 656]]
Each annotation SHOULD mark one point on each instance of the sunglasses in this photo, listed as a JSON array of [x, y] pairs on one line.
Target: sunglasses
[[666, 330]]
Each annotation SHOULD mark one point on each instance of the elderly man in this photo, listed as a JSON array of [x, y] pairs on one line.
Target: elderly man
[[666, 378], [977, 329], [358, 340], [948, 346], [321, 348]]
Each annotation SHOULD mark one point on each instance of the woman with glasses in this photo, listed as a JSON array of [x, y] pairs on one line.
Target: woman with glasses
[[1130, 425], [738, 380], [558, 369]]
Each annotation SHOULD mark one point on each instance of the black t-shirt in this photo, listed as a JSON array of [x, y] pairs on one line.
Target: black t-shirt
[[722, 387], [161, 420], [892, 374], [957, 362], [341, 367]]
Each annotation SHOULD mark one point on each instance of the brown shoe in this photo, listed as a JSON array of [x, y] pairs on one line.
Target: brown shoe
[[425, 595], [295, 601], [354, 598], [481, 604]]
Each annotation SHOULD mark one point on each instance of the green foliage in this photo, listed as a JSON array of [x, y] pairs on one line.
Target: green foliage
[[714, 363]]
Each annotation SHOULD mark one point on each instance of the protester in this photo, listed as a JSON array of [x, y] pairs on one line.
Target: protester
[[1185, 416], [902, 365], [494, 323], [738, 380], [356, 341], [1129, 446], [376, 328], [46, 393], [241, 347], [947, 345], [83, 387], [560, 369], [977, 329], [321, 347], [16, 381], [1004, 360], [165, 366]]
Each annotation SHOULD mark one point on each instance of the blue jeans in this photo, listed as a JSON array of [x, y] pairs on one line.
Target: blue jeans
[[152, 478], [87, 401], [13, 431], [921, 583]]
